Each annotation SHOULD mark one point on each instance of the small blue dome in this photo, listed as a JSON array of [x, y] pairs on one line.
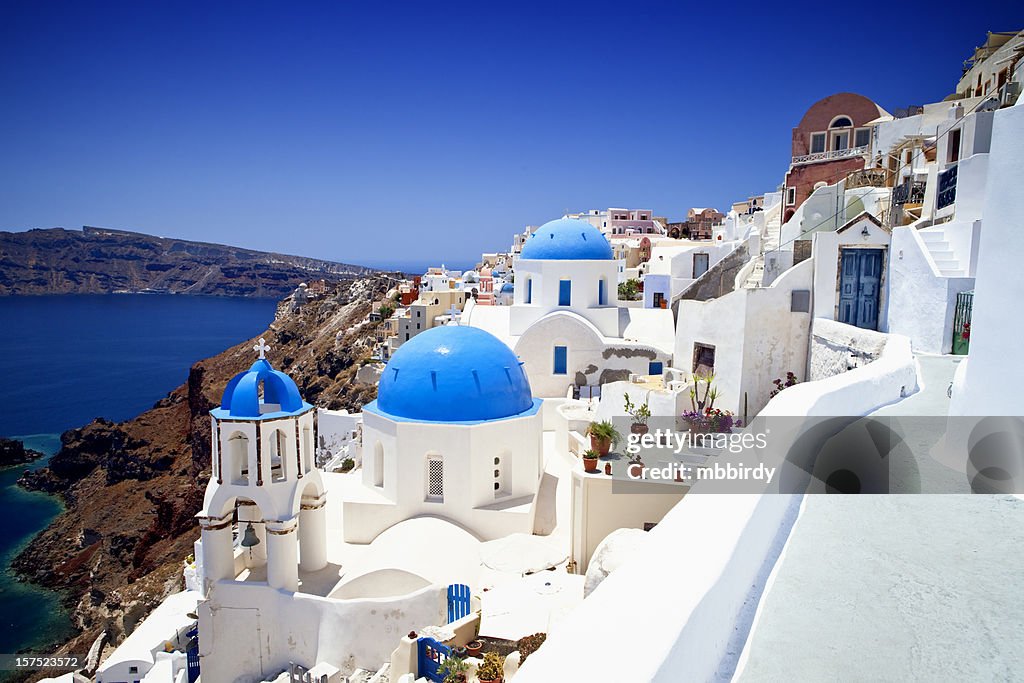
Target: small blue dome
[[567, 239], [508, 288], [241, 396], [453, 373]]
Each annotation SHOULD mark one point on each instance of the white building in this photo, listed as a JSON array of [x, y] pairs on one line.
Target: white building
[[454, 433]]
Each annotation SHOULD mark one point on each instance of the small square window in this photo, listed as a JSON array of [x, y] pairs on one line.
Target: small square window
[[800, 301], [703, 359]]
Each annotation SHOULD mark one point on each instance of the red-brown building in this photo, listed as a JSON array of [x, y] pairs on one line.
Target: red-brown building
[[832, 140]]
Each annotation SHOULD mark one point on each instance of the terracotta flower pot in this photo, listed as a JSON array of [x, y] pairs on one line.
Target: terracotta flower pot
[[590, 464], [602, 446], [639, 428], [473, 647]]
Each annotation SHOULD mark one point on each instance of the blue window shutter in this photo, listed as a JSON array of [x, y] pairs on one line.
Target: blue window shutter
[[560, 360], [654, 367], [529, 290], [602, 297], [564, 292]]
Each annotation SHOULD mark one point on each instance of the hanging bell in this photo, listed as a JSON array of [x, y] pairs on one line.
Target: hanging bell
[[249, 538]]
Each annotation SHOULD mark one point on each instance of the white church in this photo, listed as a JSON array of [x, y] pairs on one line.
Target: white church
[[455, 433], [566, 322]]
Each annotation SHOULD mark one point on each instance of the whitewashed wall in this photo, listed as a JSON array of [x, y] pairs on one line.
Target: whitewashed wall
[[254, 631], [757, 338], [921, 301], [992, 380]]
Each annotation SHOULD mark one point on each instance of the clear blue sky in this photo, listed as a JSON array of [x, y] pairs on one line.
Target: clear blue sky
[[371, 132]]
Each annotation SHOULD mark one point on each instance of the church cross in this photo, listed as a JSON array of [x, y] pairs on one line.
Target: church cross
[[262, 348], [452, 312]]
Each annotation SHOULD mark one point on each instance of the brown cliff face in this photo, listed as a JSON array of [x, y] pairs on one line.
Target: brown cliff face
[[101, 261], [132, 489]]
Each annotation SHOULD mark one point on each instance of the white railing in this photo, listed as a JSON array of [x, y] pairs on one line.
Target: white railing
[[829, 156]]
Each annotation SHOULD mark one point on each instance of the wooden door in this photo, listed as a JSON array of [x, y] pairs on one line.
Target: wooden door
[[860, 281]]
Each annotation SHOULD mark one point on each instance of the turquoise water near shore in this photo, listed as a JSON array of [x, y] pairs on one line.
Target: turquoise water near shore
[[65, 360], [30, 616]]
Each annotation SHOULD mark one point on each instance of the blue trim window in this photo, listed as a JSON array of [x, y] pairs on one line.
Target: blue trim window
[[654, 367], [529, 290], [602, 293], [564, 292], [561, 360]]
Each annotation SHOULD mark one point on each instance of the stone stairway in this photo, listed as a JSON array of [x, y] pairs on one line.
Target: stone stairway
[[943, 255]]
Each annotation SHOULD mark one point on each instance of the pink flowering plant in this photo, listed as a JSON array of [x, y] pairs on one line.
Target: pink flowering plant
[[712, 420]]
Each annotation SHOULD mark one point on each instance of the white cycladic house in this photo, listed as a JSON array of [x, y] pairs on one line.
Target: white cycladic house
[[455, 433], [566, 322]]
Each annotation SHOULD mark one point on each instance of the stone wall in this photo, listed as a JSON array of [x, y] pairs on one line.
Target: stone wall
[[837, 348]]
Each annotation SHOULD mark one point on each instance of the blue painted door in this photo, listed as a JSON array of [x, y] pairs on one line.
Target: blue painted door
[[458, 601], [860, 280]]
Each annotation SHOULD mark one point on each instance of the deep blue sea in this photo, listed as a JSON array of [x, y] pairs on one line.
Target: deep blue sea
[[67, 359]]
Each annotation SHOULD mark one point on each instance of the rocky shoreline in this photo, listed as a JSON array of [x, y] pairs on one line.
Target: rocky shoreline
[[131, 489], [13, 453]]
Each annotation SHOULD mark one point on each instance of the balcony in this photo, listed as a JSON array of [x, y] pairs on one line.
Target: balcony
[[830, 156], [869, 177], [908, 193], [947, 188]]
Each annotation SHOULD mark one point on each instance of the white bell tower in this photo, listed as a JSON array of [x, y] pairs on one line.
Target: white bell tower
[[265, 489]]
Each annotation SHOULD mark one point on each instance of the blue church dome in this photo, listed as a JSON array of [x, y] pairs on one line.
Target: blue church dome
[[567, 239], [241, 395], [453, 373]]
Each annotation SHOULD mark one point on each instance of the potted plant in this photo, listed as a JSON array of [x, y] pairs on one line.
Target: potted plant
[[492, 669], [473, 647], [590, 460], [453, 669], [701, 403], [640, 414], [603, 436]]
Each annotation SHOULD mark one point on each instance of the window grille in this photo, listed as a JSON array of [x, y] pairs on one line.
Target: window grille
[[435, 478]]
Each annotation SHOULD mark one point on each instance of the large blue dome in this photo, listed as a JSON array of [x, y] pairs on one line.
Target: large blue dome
[[567, 239], [242, 399], [453, 373]]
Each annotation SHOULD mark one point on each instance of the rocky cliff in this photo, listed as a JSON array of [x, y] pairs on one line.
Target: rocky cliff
[[132, 489], [101, 261]]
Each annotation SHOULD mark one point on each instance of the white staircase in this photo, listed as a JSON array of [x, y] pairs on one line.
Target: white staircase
[[769, 241], [944, 257]]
